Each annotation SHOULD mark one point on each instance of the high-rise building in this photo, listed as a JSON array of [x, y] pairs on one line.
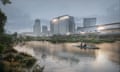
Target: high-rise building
[[37, 27], [44, 29], [62, 25], [71, 24], [54, 26], [89, 22]]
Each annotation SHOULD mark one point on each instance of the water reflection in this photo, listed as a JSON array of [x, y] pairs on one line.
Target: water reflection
[[66, 57], [64, 52]]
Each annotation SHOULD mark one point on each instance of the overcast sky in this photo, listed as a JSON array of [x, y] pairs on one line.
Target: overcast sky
[[22, 13]]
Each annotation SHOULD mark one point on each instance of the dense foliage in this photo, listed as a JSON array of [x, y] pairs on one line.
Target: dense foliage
[[10, 59], [2, 21], [6, 2], [5, 40]]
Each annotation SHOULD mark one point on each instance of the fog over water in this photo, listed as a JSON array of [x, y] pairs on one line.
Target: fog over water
[[66, 57]]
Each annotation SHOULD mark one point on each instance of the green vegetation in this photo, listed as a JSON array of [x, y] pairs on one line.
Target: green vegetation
[[14, 61], [6, 2], [5, 40], [91, 38], [10, 59], [1, 48]]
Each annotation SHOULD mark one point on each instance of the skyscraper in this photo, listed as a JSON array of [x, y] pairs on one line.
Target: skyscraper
[[37, 27], [62, 25], [89, 22], [71, 25], [44, 29], [54, 26]]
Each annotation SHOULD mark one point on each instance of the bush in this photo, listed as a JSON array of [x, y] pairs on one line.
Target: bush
[[6, 40], [1, 48]]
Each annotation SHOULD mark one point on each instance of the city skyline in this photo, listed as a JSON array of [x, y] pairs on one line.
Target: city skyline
[[21, 15]]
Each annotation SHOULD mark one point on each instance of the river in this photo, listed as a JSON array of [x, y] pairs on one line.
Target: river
[[67, 57]]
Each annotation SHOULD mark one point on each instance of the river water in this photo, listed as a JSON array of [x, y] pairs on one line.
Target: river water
[[67, 57]]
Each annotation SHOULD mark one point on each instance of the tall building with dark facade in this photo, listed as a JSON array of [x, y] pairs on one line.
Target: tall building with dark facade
[[87, 22], [37, 27], [62, 25], [44, 29]]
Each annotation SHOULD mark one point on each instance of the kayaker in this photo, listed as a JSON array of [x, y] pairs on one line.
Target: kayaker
[[85, 45]]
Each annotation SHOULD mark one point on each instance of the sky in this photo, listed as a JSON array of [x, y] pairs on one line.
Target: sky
[[22, 13]]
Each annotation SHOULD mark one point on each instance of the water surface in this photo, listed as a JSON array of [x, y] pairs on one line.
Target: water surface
[[66, 57]]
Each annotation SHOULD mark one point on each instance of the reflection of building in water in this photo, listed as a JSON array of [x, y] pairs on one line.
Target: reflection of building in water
[[111, 50], [113, 28], [65, 52], [75, 59]]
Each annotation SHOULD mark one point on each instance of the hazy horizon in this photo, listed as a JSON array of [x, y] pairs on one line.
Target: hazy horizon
[[22, 13]]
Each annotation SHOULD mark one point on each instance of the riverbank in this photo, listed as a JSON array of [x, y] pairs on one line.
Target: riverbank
[[97, 41], [65, 39], [14, 61]]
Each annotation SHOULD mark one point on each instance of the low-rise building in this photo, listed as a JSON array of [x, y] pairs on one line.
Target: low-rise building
[[113, 28]]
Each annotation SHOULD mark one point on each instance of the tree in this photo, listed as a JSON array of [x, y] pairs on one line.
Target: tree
[[3, 19], [6, 2], [5, 40]]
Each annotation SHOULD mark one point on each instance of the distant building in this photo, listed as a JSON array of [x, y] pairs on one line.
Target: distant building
[[44, 29], [79, 28], [37, 27], [62, 25], [112, 28], [23, 34], [89, 22]]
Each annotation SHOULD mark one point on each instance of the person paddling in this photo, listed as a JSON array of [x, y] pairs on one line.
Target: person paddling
[[81, 45], [85, 45]]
